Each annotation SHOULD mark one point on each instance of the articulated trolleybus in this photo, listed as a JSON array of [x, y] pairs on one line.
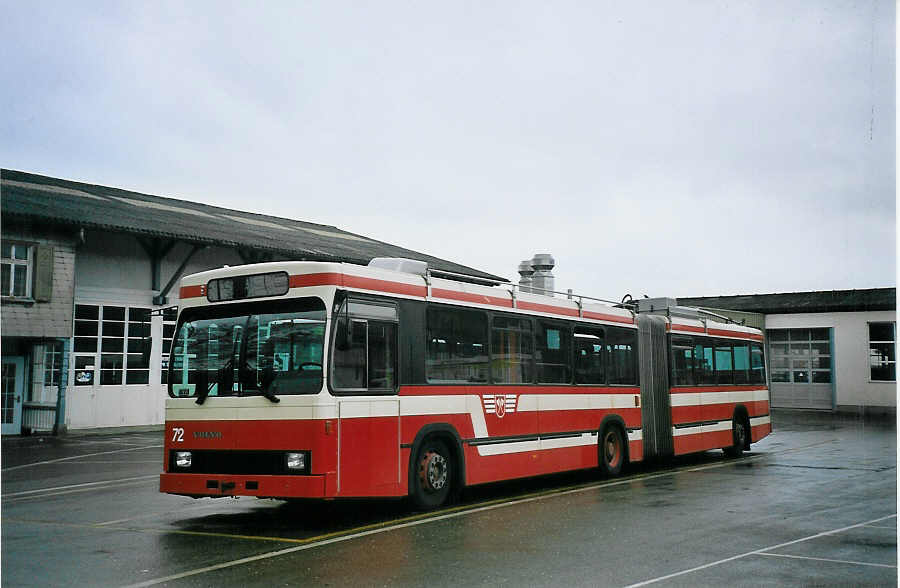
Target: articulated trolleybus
[[332, 380]]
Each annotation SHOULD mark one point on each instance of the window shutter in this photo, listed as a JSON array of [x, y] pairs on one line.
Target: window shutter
[[43, 273]]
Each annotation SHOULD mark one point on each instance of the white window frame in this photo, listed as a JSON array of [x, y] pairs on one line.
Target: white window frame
[[770, 357], [17, 265], [97, 355], [869, 354]]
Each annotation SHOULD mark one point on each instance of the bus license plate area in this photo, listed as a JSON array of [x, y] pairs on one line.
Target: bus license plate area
[[225, 485]]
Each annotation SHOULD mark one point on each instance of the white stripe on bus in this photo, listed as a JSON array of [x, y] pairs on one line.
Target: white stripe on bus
[[707, 398], [702, 428]]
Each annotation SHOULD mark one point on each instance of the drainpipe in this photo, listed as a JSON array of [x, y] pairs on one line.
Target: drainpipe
[[60, 427]]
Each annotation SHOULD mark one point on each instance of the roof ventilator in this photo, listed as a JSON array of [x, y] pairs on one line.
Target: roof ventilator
[[526, 271], [543, 281], [400, 264], [420, 268]]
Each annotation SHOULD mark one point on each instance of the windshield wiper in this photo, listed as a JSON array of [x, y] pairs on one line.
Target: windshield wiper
[[203, 386], [268, 376]]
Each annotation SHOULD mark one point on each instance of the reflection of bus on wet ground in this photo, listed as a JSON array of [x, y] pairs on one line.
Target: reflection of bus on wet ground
[[309, 379]]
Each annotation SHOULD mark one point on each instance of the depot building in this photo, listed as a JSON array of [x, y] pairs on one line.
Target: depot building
[[90, 274]]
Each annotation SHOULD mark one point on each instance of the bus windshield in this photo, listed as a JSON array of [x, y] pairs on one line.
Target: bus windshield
[[249, 349]]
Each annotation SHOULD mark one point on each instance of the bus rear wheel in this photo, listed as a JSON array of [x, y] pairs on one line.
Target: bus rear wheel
[[433, 478], [740, 432], [612, 451]]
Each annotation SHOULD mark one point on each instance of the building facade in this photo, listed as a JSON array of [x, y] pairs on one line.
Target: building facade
[[38, 271]]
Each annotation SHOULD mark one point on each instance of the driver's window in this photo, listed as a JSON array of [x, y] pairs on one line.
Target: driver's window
[[364, 350], [350, 355]]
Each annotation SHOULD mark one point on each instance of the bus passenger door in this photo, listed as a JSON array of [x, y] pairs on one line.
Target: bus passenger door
[[368, 446]]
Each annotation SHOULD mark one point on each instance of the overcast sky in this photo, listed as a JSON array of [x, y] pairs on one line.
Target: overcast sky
[[662, 148]]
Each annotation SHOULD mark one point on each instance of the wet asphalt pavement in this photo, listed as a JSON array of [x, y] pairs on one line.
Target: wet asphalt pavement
[[815, 503]]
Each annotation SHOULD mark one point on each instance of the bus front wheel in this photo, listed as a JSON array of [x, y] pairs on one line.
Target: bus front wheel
[[434, 475]]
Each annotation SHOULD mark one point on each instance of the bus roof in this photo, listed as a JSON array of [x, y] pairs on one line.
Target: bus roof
[[302, 275]]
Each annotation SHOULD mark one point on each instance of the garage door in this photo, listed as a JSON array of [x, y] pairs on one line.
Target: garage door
[[800, 368]]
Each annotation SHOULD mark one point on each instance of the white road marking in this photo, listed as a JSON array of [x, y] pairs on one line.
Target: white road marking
[[843, 561], [759, 551], [109, 461], [882, 527], [37, 463], [75, 491], [91, 485]]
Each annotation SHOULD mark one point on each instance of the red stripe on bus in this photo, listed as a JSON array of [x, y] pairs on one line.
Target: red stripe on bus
[[688, 328], [320, 279], [351, 281], [384, 286], [701, 441], [739, 335], [608, 317], [716, 412], [757, 432], [479, 389], [468, 297], [523, 305]]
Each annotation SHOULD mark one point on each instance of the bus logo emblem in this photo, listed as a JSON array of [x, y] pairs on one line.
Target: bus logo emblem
[[499, 404]]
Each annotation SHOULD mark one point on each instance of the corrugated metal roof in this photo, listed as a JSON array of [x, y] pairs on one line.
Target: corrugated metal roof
[[802, 302], [67, 202]]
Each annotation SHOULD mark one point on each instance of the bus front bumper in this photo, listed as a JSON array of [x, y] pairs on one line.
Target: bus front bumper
[[310, 486]]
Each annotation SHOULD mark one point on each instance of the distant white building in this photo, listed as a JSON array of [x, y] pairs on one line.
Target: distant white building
[[832, 350]]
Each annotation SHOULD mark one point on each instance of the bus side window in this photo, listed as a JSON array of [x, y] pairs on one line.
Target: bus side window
[[456, 346], [703, 358], [757, 364], [621, 354], [553, 353], [724, 363], [682, 361], [741, 363], [511, 350], [590, 356]]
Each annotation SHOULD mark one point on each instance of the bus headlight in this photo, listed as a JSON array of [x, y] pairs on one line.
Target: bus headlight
[[182, 459], [295, 461]]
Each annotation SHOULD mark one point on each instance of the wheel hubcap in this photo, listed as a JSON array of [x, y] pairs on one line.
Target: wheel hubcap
[[433, 471], [739, 433], [612, 449]]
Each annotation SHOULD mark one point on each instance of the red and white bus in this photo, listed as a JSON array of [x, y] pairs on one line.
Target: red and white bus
[[333, 380]]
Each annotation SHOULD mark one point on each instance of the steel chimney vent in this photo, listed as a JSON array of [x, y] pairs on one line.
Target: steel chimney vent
[[543, 281], [526, 271]]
